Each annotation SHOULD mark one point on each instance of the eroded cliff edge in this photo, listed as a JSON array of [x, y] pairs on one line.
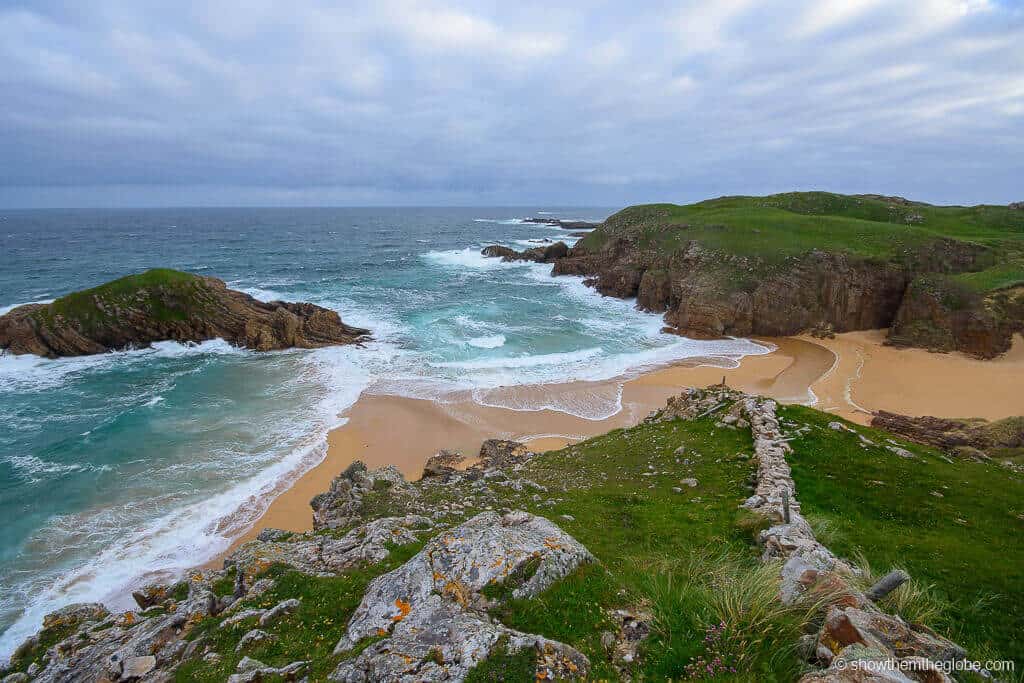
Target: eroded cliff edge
[[941, 278], [167, 305]]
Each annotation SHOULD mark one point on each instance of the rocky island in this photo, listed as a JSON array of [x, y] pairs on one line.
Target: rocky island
[[943, 278], [162, 305]]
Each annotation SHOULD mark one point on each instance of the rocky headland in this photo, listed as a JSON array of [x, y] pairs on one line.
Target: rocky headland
[[167, 305], [940, 278]]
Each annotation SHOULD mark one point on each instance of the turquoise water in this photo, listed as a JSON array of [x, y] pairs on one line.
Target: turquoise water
[[140, 464]]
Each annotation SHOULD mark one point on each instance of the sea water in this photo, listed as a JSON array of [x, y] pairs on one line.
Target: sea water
[[139, 464]]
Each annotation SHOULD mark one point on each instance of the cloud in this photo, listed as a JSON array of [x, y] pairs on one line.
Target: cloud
[[456, 101]]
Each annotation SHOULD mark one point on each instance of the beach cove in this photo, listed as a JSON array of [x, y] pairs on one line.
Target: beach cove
[[849, 375]]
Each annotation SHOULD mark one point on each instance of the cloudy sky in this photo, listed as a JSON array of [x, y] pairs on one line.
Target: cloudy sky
[[136, 103]]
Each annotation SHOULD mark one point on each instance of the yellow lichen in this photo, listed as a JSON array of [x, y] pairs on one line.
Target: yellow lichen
[[403, 610]]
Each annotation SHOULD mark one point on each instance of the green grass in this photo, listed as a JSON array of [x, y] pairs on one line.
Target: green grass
[[964, 548], [309, 634], [688, 559], [777, 227], [1000, 276], [95, 307], [653, 545]]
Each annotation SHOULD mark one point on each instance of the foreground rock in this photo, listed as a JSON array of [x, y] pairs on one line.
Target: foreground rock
[[431, 610], [167, 305]]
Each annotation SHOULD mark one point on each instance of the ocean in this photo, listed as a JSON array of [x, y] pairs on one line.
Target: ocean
[[123, 467]]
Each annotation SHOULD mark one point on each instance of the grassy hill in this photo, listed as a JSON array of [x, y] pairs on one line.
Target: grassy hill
[[688, 558], [779, 226], [780, 264]]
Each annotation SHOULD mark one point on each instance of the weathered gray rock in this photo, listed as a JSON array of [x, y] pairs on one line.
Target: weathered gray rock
[[341, 505], [442, 464], [430, 607], [137, 667], [322, 555], [279, 610], [502, 454], [116, 648], [254, 637], [253, 671]]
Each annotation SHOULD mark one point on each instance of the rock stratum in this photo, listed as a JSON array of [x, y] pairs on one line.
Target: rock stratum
[[167, 305], [940, 278]]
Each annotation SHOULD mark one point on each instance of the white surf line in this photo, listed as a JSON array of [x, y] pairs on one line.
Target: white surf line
[[813, 397], [848, 391]]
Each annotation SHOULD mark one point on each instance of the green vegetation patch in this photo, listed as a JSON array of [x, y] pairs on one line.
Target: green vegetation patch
[[162, 293], [309, 634], [775, 228], [954, 526]]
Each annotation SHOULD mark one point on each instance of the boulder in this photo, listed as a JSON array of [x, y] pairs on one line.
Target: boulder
[[430, 609]]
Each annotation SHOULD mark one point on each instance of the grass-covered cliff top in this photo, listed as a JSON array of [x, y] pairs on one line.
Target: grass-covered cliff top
[[776, 227], [151, 291]]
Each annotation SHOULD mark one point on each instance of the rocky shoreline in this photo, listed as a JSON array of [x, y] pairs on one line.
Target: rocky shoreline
[[166, 305], [706, 293]]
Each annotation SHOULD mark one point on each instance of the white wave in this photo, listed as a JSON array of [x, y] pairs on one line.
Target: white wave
[[521, 361], [182, 538], [28, 372], [489, 342], [260, 294], [500, 221], [35, 469], [470, 257], [156, 400], [589, 402], [7, 309]]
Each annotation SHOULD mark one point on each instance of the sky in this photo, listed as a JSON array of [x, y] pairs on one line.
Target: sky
[[430, 102]]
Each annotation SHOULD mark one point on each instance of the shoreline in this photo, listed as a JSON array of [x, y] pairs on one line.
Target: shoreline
[[850, 376]]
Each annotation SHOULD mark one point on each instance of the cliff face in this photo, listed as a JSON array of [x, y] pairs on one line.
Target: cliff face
[[938, 314], [707, 292], [163, 305]]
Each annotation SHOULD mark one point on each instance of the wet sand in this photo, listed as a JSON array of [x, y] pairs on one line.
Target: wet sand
[[849, 375], [870, 376]]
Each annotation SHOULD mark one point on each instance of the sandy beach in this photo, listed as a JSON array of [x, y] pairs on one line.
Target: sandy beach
[[850, 375]]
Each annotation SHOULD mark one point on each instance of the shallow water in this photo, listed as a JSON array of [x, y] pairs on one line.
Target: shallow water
[[120, 467]]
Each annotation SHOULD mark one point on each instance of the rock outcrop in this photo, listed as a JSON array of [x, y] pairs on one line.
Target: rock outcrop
[[548, 254], [431, 612], [938, 314], [561, 223], [167, 305], [708, 293], [975, 438]]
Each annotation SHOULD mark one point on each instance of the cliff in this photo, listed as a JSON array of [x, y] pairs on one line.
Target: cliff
[[162, 305], [790, 263]]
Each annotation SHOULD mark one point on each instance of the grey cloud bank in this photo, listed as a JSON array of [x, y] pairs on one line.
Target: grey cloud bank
[[409, 102]]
